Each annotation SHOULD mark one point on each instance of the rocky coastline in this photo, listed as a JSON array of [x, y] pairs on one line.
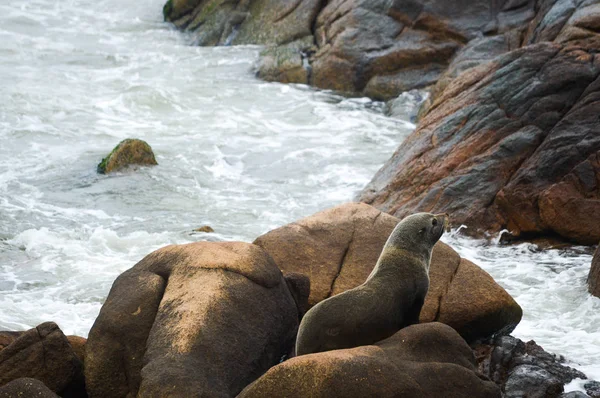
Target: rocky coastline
[[507, 141], [220, 319]]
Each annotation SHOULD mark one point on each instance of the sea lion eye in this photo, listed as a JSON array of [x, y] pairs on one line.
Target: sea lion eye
[[422, 231], [434, 222]]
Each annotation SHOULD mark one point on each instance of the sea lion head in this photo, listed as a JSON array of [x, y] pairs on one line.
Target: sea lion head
[[418, 233]]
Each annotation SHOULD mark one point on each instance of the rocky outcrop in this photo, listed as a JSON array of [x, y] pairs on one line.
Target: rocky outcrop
[[128, 152], [510, 144], [594, 275], [41, 353], [337, 249], [377, 48], [26, 388], [177, 322], [524, 369], [427, 360]]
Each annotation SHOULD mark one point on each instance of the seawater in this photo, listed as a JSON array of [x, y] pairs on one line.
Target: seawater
[[235, 153]]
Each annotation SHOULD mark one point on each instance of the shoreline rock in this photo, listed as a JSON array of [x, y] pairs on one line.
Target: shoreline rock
[[424, 360], [376, 48], [524, 369], [43, 353], [338, 247], [487, 149], [176, 322], [128, 152]]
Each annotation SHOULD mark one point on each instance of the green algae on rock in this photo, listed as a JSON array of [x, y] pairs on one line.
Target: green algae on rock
[[129, 151]]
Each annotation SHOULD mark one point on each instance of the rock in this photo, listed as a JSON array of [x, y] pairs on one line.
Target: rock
[[594, 275], [41, 353], [78, 345], [532, 381], [337, 249], [427, 360], [592, 388], [26, 388], [205, 228], [574, 394], [6, 338], [219, 22], [285, 63], [299, 285], [524, 369], [473, 303], [487, 149], [128, 152], [176, 323]]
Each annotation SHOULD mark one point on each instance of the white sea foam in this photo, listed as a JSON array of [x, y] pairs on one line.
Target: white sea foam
[[236, 153]]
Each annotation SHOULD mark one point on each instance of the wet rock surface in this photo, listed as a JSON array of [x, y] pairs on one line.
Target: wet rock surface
[[337, 249], [592, 388], [426, 360], [128, 152], [524, 369], [176, 323]]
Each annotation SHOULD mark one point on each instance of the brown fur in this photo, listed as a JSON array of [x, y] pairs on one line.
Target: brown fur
[[390, 299]]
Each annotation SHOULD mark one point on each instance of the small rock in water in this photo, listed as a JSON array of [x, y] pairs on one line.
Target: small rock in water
[[205, 228], [128, 152], [592, 389]]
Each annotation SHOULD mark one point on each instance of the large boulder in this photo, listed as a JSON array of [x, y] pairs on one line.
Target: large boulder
[[337, 249], [41, 353], [428, 360], [201, 319], [26, 388], [511, 144], [382, 48], [594, 275], [128, 152]]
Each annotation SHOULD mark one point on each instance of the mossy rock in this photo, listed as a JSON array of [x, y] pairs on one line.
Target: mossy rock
[[128, 152]]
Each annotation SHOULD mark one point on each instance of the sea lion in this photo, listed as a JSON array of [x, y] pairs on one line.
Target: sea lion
[[390, 299]]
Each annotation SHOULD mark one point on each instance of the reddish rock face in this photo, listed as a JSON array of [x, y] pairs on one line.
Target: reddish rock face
[[337, 249], [427, 360], [510, 144], [177, 323]]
